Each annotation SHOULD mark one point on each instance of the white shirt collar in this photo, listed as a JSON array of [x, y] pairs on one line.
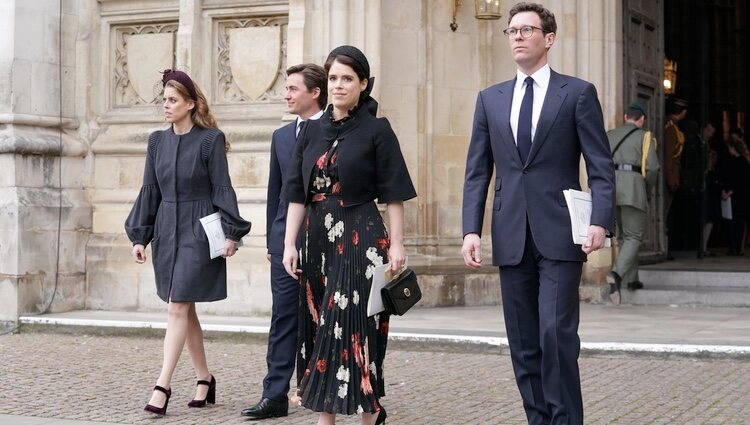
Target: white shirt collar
[[314, 117], [541, 77]]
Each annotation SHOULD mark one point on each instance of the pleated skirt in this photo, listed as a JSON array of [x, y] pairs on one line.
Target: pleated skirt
[[341, 349]]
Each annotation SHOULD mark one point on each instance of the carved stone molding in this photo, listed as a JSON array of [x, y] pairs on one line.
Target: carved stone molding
[[123, 91], [229, 85]]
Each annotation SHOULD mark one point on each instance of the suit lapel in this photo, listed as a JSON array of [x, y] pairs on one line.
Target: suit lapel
[[506, 133], [553, 100]]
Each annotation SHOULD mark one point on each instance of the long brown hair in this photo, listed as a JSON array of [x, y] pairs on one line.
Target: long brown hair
[[200, 114]]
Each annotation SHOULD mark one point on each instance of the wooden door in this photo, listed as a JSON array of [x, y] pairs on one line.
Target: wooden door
[[643, 39]]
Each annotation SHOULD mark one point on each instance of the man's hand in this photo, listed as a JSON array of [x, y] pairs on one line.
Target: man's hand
[[595, 239], [472, 250]]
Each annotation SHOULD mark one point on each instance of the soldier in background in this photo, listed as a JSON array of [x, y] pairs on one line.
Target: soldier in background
[[637, 168]]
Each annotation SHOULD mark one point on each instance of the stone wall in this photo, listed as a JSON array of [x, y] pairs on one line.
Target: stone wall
[[77, 105]]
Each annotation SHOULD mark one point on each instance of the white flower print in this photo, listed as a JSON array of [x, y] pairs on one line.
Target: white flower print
[[323, 263], [336, 231], [329, 221], [372, 255], [322, 320], [321, 182], [340, 299], [342, 374], [369, 271], [337, 330], [343, 390], [355, 297], [302, 350], [343, 301], [360, 410], [373, 370]]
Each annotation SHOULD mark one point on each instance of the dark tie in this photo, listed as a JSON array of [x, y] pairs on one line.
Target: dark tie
[[523, 134], [300, 127]]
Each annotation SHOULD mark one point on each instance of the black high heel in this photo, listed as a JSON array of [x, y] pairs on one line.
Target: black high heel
[[159, 410], [210, 396], [381, 416]]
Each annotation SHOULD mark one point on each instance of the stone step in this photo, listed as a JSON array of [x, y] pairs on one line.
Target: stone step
[[691, 288]]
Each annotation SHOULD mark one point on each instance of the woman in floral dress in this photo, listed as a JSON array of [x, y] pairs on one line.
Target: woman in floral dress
[[343, 162]]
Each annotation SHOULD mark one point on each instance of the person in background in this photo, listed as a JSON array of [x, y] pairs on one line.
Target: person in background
[[636, 173], [306, 94], [674, 141], [186, 177], [734, 170]]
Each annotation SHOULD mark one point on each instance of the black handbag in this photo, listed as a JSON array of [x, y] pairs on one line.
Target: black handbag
[[401, 293]]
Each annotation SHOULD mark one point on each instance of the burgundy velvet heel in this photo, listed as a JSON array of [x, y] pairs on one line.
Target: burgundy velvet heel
[[210, 396], [159, 410]]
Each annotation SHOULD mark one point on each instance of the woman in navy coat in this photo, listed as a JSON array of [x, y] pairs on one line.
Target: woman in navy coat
[[186, 177]]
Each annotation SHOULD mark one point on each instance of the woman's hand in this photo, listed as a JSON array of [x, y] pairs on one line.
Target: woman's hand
[[396, 257], [290, 261], [139, 253], [230, 248]]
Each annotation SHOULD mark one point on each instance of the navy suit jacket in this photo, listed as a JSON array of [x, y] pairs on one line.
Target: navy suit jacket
[[570, 124], [283, 142]]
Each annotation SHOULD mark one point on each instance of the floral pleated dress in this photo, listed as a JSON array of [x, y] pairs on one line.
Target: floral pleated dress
[[341, 349]]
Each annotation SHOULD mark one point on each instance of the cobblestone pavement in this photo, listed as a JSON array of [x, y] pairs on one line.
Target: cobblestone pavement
[[109, 379]]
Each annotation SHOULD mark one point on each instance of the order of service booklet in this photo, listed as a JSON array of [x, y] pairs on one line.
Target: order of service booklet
[[579, 208], [215, 233], [381, 275]]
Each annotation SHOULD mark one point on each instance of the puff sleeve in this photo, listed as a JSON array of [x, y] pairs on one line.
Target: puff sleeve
[[223, 196], [139, 225]]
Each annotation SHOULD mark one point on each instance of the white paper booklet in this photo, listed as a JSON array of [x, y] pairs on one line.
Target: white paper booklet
[[726, 208], [380, 277], [215, 233], [579, 208]]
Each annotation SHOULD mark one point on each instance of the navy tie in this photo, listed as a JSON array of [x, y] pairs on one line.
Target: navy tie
[[300, 127], [523, 133]]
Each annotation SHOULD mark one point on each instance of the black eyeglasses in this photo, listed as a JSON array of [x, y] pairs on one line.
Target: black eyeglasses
[[526, 31]]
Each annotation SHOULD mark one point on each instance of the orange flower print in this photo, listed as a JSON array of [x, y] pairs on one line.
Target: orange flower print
[[340, 247], [336, 188], [384, 327], [355, 237], [384, 243], [331, 302], [311, 304], [322, 160], [344, 355], [334, 156], [321, 365]]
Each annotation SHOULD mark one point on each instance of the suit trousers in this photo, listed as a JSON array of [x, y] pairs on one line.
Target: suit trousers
[[282, 336], [541, 308], [631, 226]]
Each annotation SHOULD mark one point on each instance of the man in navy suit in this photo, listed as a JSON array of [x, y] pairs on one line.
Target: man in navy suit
[[532, 132], [306, 94]]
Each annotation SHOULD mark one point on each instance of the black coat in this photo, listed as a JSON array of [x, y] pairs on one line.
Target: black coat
[[370, 163], [186, 177]]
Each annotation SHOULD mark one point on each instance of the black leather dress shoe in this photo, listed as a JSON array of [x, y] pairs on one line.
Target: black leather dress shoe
[[637, 284], [267, 408]]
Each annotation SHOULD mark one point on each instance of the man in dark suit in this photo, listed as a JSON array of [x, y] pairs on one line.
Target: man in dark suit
[[306, 94], [532, 132]]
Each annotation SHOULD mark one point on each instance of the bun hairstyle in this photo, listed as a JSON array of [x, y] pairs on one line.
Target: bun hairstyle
[[186, 87]]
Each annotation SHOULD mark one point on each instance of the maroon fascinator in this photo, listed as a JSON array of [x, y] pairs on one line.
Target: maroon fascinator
[[180, 77]]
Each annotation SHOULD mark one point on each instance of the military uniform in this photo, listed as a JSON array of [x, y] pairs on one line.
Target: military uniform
[[674, 140], [636, 174]]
